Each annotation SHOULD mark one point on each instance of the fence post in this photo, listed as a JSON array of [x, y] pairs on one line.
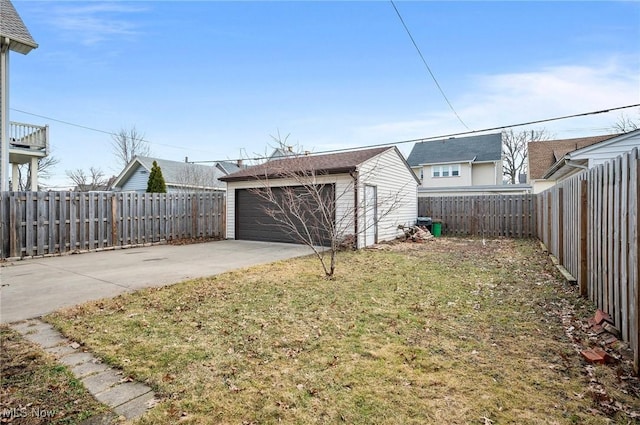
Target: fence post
[[14, 227], [634, 304], [560, 225], [584, 217], [549, 230], [114, 220]]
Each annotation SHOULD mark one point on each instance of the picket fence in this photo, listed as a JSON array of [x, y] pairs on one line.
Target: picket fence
[[590, 223], [48, 223]]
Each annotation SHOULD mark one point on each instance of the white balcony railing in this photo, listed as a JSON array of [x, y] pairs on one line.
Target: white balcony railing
[[29, 136]]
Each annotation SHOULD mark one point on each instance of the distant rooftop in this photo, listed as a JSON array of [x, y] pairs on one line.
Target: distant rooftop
[[543, 154], [334, 163], [487, 147], [12, 27]]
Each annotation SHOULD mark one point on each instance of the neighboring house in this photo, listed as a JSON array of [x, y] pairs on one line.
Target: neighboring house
[[178, 176], [361, 183], [569, 156], [590, 156], [19, 143], [458, 165]]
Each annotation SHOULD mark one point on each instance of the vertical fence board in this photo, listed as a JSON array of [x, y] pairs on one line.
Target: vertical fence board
[[606, 203]]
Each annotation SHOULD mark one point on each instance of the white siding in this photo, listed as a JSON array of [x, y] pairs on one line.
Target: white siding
[[600, 154], [343, 192], [395, 183]]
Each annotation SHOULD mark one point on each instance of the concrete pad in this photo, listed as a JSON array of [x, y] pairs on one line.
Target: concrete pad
[[76, 359], [136, 407], [88, 368], [35, 287], [102, 381], [47, 338], [31, 326], [60, 350], [122, 393]]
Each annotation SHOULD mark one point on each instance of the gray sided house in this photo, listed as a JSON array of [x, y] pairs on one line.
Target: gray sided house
[[179, 176], [465, 165], [372, 191]]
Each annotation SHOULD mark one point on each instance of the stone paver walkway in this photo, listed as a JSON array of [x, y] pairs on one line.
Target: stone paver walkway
[[128, 399]]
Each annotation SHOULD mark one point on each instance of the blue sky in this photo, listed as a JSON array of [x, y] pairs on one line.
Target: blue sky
[[214, 80]]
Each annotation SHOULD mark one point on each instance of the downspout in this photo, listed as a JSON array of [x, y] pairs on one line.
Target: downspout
[[471, 171], [354, 175]]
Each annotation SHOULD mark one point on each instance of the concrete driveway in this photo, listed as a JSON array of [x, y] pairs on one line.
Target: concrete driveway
[[34, 287]]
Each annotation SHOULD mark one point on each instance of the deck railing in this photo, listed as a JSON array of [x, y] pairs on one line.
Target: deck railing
[[29, 136]]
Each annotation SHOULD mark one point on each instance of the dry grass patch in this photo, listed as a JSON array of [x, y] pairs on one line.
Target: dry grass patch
[[37, 390], [452, 332]]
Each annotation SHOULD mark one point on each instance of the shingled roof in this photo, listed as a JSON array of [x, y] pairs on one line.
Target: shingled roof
[[334, 163], [175, 173], [12, 27], [543, 154], [487, 147]]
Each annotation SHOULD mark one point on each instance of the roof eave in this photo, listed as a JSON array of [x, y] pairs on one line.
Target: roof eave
[[258, 176], [21, 46]]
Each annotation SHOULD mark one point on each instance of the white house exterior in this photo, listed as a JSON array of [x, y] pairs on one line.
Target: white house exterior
[[19, 143], [458, 164], [590, 156], [374, 191]]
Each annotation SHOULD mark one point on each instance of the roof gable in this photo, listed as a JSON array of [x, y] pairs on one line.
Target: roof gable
[[487, 147], [334, 163], [12, 27], [175, 173], [543, 154]]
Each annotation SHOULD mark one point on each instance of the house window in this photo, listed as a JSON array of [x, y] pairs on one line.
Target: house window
[[445, 170]]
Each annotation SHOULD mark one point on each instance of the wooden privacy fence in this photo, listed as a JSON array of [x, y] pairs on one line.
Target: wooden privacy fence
[[483, 215], [46, 223], [590, 223]]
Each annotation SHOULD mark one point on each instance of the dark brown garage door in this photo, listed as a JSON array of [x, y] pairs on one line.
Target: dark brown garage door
[[252, 222]]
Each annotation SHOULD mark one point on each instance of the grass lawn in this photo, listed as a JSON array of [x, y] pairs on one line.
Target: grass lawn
[[448, 332], [36, 389]]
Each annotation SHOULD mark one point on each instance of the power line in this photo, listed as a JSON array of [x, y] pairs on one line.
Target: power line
[[424, 61], [97, 130], [446, 136]]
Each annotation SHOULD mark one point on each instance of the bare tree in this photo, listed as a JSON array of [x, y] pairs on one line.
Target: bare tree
[[194, 177], [45, 169], [514, 151], [625, 123], [315, 211], [86, 182], [127, 143]]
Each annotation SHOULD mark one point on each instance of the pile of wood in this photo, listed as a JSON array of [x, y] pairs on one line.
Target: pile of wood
[[416, 233]]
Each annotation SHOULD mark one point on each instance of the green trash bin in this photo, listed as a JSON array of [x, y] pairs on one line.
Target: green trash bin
[[436, 229]]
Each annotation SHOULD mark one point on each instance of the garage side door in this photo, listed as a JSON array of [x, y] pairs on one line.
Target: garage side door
[[252, 223]]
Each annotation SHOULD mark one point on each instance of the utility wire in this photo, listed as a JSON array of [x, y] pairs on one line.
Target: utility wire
[[422, 139], [424, 61], [445, 136], [97, 130]]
